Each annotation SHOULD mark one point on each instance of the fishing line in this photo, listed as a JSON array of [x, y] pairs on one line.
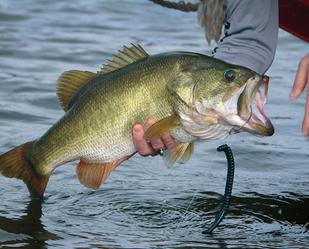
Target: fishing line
[[246, 122], [227, 193], [186, 211]]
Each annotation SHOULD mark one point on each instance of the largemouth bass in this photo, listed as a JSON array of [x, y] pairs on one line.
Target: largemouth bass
[[191, 95]]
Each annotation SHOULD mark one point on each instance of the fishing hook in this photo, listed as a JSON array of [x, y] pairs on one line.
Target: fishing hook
[[246, 122]]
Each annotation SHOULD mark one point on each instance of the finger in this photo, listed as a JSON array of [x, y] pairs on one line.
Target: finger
[[168, 141], [139, 141], [300, 78], [156, 143], [305, 127]]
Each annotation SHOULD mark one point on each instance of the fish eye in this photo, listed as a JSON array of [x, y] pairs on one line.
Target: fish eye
[[229, 75]]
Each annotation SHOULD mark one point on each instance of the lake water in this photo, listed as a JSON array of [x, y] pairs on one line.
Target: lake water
[[143, 204]]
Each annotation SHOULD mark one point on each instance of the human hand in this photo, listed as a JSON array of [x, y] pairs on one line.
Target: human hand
[[147, 148], [300, 82]]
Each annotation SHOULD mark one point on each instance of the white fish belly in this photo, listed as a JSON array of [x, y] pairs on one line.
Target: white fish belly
[[108, 152]]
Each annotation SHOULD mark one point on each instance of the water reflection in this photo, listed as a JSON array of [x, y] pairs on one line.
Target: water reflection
[[292, 209], [267, 214], [29, 225]]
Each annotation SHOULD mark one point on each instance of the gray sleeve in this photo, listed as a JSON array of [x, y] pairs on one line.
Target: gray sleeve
[[250, 34]]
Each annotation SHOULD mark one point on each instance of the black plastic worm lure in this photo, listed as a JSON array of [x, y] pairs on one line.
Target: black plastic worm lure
[[228, 187]]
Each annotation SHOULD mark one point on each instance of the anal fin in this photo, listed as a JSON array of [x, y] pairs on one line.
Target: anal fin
[[92, 175]]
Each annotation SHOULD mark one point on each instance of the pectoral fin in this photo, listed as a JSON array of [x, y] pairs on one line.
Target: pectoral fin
[[181, 153], [92, 175], [161, 126]]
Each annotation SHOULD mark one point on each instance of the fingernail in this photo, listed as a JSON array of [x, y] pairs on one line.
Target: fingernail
[[137, 129], [150, 122]]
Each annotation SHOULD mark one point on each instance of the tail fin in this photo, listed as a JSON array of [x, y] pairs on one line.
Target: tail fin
[[15, 164]]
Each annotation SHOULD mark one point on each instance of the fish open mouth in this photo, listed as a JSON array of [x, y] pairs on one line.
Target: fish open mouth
[[251, 104]]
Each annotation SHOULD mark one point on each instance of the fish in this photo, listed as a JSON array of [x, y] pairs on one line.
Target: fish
[[192, 96]]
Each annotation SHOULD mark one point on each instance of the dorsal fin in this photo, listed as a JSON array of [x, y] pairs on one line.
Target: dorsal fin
[[69, 83], [125, 57]]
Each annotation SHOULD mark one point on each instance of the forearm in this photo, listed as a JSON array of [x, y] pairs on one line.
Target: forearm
[[250, 35]]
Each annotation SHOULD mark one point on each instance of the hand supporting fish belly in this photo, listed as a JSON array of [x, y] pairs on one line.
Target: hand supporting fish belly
[[192, 97]]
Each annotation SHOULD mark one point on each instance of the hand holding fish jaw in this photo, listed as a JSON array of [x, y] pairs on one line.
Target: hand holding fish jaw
[[300, 82], [145, 148]]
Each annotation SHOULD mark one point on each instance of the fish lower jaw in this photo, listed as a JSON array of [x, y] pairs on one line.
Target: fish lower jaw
[[251, 124], [258, 121], [258, 125]]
